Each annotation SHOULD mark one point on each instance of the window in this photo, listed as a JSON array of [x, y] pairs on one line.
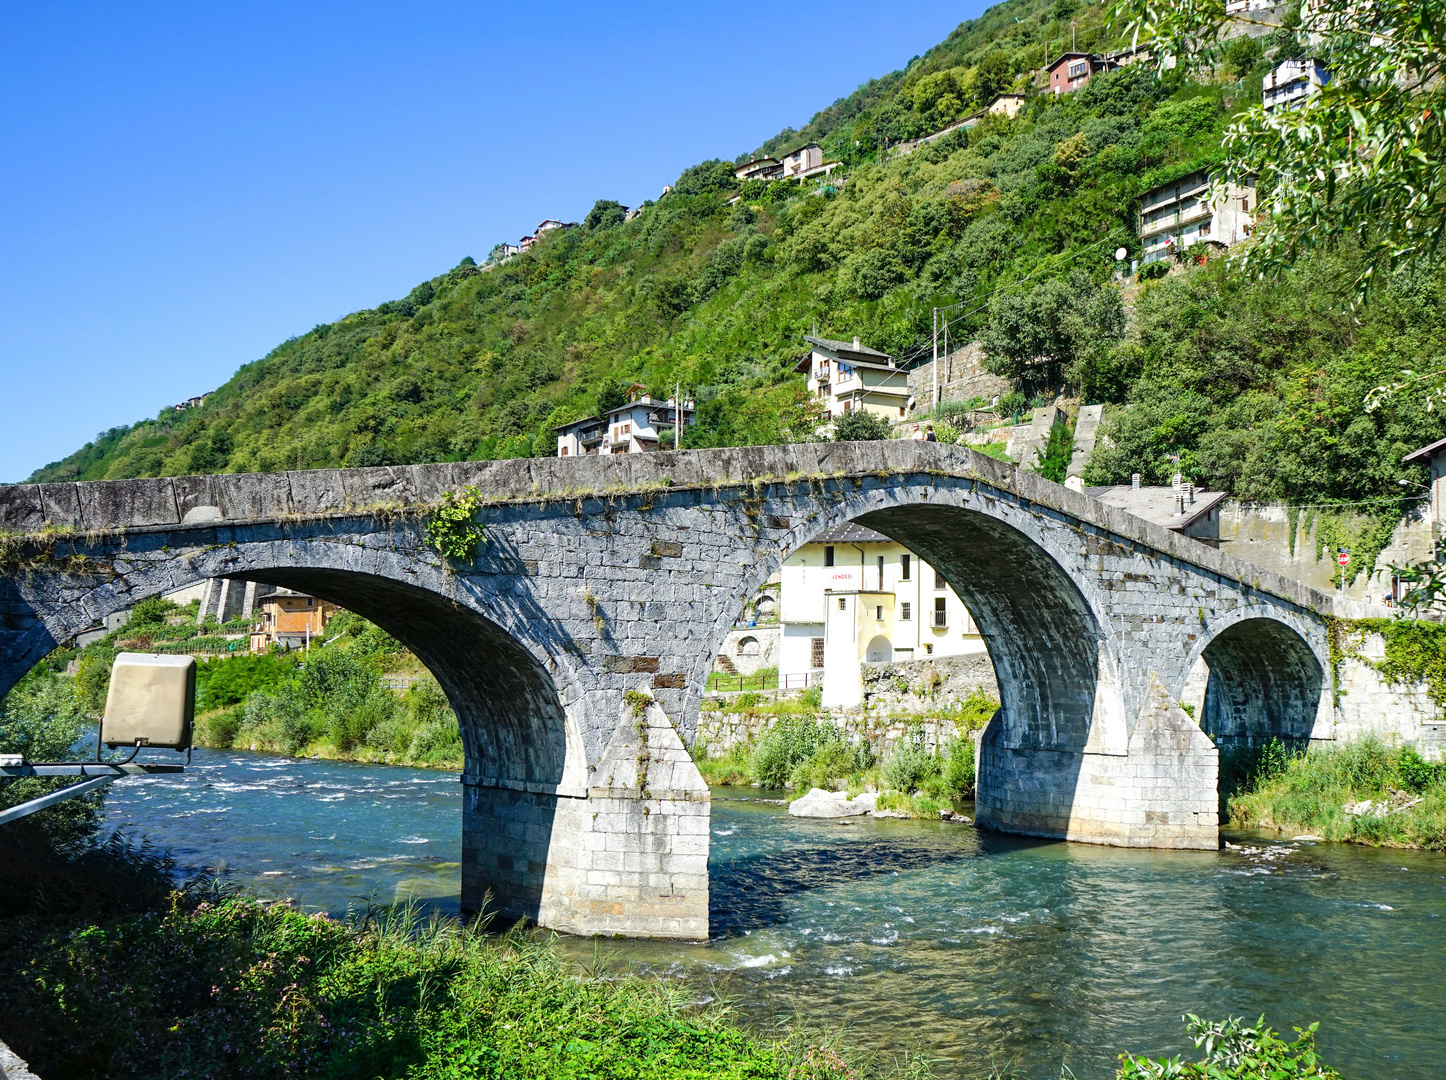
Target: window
[[848, 406], [310, 601], [901, 410], [929, 648], [828, 555], [906, 612], [816, 652], [939, 582], [941, 615], [879, 613], [843, 604], [1204, 228], [904, 567], [1078, 68], [626, 428]]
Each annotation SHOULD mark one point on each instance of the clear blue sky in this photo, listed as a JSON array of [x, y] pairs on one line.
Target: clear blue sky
[[185, 186]]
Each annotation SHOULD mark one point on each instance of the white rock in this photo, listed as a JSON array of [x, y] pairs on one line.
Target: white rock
[[826, 804], [1306, 836]]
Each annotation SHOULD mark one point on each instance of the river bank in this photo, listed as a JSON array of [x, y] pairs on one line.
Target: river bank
[[977, 949], [1364, 792]]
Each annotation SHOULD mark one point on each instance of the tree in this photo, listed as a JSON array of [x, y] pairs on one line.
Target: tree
[[609, 398], [605, 213], [861, 426], [1051, 333], [1363, 160]]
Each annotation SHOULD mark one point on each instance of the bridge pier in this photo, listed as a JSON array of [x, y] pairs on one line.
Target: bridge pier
[[1160, 792], [626, 858]]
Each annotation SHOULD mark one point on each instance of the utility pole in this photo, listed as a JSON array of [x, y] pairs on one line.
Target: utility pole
[[936, 359], [678, 415], [1072, 46]]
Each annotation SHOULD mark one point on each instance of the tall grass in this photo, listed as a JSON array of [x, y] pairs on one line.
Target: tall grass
[[230, 987], [1309, 792]]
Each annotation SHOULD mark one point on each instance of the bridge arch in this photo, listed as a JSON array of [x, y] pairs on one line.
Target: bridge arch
[[1262, 678], [524, 754]]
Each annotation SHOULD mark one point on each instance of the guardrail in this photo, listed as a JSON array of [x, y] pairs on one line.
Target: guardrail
[[398, 682], [721, 682]]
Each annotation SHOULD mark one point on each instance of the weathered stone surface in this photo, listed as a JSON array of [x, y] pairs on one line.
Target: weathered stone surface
[[604, 578]]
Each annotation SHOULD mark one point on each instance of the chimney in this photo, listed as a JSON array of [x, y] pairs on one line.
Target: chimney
[[1135, 481], [856, 342]]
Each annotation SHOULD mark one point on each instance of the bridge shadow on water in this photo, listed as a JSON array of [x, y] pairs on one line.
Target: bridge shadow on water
[[754, 890]]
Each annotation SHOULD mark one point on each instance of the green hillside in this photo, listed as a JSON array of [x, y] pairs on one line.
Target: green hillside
[[1258, 386]]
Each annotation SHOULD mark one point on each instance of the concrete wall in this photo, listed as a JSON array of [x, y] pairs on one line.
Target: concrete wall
[[1261, 534]]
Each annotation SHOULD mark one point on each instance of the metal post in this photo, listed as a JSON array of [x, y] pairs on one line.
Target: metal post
[[936, 359], [25, 809]]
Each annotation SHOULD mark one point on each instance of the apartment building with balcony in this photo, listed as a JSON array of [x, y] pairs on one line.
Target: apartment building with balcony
[[853, 596], [632, 428], [1179, 215], [849, 376], [1291, 83]]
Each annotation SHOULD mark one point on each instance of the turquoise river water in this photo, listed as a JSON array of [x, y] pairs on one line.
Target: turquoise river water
[[978, 950]]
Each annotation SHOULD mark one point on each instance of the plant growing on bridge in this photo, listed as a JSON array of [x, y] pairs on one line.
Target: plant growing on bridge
[[450, 530]]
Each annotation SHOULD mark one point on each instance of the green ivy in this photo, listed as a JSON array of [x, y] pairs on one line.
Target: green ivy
[[451, 532]]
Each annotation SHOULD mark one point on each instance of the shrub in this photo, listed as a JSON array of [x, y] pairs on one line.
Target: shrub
[[434, 743], [1235, 1051], [910, 765], [44, 718], [1417, 774], [219, 729], [861, 426], [832, 761], [231, 680], [1150, 271], [957, 780], [790, 741]]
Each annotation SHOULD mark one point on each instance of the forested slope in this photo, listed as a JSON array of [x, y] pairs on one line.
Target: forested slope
[[1258, 386]]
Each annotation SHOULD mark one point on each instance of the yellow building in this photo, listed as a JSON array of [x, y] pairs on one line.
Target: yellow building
[[290, 619], [853, 596], [848, 377]]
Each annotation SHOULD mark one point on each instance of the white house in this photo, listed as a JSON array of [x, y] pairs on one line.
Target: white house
[[1292, 82], [850, 376], [852, 596], [629, 429], [806, 161], [1179, 215]]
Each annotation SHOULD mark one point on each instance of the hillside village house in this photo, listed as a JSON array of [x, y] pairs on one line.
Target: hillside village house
[[1292, 81], [850, 376], [1177, 216], [1433, 457], [800, 164], [629, 429], [291, 619], [545, 227], [1073, 69], [852, 596]]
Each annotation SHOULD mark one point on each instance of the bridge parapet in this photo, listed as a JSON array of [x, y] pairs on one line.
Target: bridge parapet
[[102, 506]]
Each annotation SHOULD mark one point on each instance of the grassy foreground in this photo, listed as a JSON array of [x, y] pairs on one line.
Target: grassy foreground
[[231, 987], [1315, 793]]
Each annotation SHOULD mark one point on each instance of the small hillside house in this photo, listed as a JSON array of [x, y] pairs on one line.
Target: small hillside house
[[1073, 69], [632, 428], [848, 376]]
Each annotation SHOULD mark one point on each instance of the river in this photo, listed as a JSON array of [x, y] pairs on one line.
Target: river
[[981, 951]]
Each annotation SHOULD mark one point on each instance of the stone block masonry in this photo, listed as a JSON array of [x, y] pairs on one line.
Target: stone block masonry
[[576, 644]]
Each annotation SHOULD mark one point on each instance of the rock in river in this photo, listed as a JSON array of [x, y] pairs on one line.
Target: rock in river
[[830, 804]]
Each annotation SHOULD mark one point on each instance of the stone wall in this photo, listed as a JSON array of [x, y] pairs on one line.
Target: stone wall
[[1367, 704], [896, 697], [748, 658], [961, 378]]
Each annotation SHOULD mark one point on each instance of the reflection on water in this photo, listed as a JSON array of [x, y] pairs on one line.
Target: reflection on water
[[982, 950]]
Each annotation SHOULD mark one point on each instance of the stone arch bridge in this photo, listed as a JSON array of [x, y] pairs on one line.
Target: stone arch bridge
[[575, 646]]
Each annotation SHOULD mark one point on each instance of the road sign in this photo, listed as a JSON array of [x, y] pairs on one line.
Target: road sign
[[1343, 557]]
